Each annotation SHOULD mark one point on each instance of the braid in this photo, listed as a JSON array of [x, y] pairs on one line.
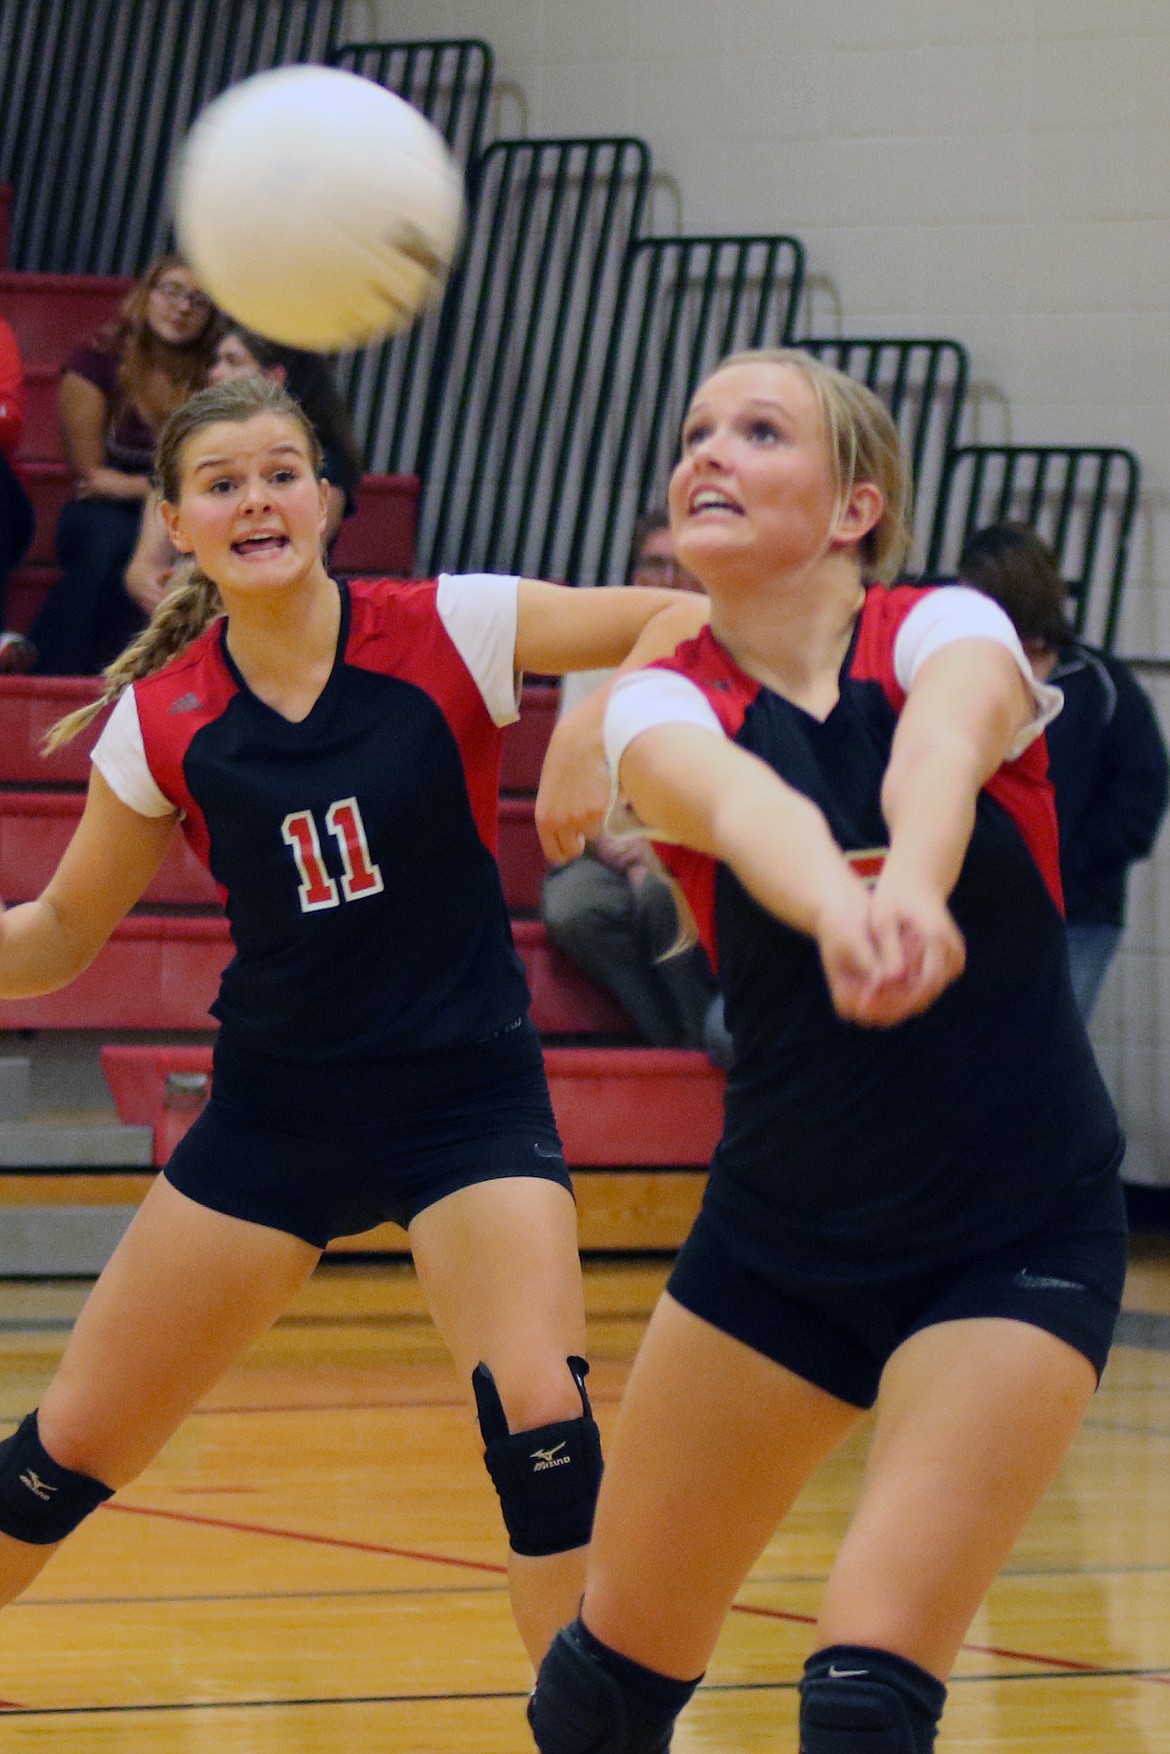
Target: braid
[[191, 605]]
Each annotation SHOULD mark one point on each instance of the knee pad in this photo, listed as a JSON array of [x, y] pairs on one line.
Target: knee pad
[[852, 1695], [592, 1700], [547, 1478], [40, 1501]]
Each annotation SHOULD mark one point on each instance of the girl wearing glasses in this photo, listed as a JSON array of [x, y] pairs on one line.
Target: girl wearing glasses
[[116, 391]]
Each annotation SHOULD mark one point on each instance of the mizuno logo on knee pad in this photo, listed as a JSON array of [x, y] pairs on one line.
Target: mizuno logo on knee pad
[[546, 1478], [40, 1501], [40, 1488]]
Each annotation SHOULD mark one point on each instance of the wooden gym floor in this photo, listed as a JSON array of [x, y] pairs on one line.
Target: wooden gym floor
[[313, 1564]]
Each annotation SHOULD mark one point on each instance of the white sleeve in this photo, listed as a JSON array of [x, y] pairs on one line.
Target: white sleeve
[[478, 609], [645, 698], [120, 757], [955, 612]]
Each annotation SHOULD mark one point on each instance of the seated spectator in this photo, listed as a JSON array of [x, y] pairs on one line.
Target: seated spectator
[[116, 391], [1106, 753], [308, 378], [17, 522], [612, 910]]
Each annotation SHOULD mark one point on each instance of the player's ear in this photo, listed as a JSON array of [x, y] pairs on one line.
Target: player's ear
[[859, 514], [173, 519]]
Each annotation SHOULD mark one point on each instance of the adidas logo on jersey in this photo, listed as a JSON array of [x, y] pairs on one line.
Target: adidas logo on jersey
[[186, 703]]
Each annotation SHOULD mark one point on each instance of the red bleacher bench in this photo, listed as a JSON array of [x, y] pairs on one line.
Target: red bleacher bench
[[162, 971], [632, 1107], [50, 314], [35, 829], [29, 707]]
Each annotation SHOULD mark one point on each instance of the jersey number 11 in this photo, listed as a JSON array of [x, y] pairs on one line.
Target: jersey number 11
[[361, 877]]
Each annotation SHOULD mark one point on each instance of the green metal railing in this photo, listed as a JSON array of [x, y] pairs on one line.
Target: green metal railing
[[923, 382], [387, 386], [523, 333], [683, 303], [1082, 499], [95, 96]]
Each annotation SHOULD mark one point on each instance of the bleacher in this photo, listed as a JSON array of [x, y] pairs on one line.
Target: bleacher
[[520, 427]]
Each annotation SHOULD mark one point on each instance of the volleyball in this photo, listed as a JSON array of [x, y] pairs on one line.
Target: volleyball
[[317, 208]]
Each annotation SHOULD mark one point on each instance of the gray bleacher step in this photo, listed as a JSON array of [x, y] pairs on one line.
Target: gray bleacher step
[[15, 1087], [59, 1241], [55, 1142]]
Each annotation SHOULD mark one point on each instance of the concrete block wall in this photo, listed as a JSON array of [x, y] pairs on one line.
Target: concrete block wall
[[998, 170]]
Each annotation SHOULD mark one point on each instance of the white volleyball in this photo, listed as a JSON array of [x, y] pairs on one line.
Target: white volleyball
[[317, 208]]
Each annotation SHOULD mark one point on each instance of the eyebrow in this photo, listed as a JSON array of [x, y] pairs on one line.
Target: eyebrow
[[280, 450]]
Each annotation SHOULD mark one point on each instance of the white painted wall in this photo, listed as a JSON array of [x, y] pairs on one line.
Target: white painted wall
[[998, 170]]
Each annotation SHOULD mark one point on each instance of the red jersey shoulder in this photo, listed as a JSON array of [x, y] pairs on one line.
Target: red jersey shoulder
[[882, 614], [729, 690], [177, 701], [395, 627]]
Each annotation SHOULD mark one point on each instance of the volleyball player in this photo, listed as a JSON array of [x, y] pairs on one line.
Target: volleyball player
[[332, 754], [915, 1201]]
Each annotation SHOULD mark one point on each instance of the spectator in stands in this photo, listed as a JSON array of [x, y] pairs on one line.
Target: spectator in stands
[[116, 391], [17, 522], [1106, 753], [612, 910], [332, 753], [308, 378], [915, 1203]]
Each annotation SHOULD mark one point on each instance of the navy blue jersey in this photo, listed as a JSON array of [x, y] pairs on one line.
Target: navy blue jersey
[[355, 849], [954, 1132]]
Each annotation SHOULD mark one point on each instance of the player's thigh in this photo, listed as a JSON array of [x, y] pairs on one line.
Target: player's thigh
[[713, 1443], [973, 1419], [184, 1292], [499, 1267]]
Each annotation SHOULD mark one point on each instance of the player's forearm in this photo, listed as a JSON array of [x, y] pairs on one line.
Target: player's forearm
[[928, 799], [38, 951], [779, 846]]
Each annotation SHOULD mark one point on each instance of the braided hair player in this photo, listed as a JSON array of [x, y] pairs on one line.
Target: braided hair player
[[915, 1203], [332, 753]]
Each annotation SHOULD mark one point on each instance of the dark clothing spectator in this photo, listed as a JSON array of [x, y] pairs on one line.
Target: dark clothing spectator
[[1107, 757], [1110, 772]]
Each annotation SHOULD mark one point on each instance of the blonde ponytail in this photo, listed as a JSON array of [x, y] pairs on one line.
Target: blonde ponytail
[[192, 604]]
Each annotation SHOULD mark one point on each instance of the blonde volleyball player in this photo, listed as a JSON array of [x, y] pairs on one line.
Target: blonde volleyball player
[[915, 1202]]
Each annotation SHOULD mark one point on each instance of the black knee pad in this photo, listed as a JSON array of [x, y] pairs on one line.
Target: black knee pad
[[40, 1501], [852, 1696], [547, 1479], [591, 1700]]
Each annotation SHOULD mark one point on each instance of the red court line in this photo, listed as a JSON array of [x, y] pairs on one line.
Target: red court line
[[216, 1522], [209, 1522]]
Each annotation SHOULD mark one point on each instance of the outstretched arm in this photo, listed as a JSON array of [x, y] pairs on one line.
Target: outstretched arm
[[111, 858], [574, 794], [702, 791], [560, 628], [963, 713]]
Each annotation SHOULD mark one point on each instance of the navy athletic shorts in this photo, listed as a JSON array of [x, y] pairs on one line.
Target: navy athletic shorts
[[839, 1332], [324, 1153]]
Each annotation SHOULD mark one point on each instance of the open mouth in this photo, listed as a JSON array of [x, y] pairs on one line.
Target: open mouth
[[260, 547], [710, 499]]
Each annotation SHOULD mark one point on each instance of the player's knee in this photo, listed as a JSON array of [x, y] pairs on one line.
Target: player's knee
[[40, 1501], [853, 1698], [590, 1699], [546, 1477]]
